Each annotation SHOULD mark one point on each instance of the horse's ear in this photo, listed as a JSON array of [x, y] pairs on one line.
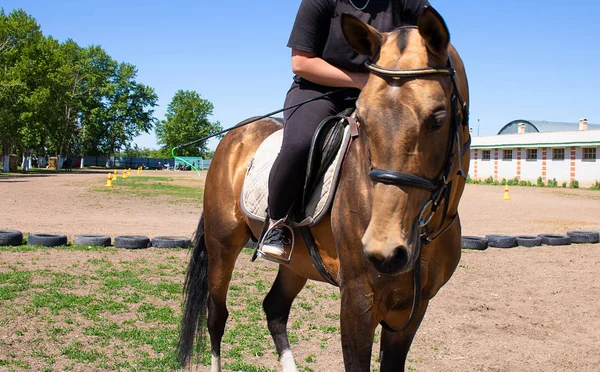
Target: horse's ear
[[366, 40], [434, 31]]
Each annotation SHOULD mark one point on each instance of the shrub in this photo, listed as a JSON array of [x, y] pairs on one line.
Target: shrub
[[564, 185], [523, 183], [540, 182], [529, 184], [595, 186], [574, 184], [489, 180], [469, 179], [503, 181], [552, 183], [511, 183]]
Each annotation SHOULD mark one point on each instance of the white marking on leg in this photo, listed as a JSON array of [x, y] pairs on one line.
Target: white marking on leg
[[215, 363], [287, 361]]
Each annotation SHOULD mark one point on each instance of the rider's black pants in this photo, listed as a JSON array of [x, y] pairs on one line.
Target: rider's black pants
[[289, 170]]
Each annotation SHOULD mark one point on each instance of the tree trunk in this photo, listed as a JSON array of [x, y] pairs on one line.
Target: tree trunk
[[6, 156], [26, 161]]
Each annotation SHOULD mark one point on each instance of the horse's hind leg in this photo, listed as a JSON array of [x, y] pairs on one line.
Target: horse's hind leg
[[395, 345], [222, 256], [277, 306]]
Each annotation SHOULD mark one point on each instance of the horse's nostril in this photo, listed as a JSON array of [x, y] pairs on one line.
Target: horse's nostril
[[393, 264]]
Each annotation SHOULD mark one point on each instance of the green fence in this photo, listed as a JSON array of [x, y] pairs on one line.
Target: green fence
[[197, 162]]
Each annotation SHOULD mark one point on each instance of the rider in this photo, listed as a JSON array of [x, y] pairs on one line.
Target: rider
[[322, 62]]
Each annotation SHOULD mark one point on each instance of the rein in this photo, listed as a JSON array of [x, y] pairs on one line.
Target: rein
[[249, 121], [441, 186]]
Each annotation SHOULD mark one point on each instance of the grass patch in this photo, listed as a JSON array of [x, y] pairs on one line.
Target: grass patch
[[111, 313], [37, 248], [76, 351], [144, 186]]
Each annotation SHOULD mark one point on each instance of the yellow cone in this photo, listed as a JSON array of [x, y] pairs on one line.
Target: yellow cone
[[109, 181], [139, 171], [124, 173], [506, 196], [129, 172], [115, 177]]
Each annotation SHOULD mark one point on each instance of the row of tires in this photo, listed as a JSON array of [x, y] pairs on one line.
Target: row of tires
[[507, 241], [15, 238]]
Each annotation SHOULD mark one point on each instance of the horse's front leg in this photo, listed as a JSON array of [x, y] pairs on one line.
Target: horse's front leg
[[277, 307], [395, 345], [357, 326]]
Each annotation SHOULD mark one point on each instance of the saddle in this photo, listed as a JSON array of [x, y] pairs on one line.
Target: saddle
[[328, 147]]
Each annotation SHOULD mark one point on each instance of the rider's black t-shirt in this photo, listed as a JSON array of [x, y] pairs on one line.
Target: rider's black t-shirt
[[318, 28]]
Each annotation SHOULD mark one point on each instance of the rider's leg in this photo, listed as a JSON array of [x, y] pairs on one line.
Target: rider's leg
[[289, 170]]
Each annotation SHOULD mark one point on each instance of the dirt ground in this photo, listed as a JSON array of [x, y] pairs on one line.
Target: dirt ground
[[522, 309], [71, 204]]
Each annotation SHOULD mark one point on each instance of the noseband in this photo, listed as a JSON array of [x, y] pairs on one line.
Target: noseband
[[440, 186]]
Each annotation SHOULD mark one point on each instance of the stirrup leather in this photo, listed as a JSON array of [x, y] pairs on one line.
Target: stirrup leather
[[278, 225]]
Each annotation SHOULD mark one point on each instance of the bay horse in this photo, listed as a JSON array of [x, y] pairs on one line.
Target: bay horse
[[392, 238]]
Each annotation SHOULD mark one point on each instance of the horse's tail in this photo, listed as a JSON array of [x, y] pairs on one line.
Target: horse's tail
[[195, 289]]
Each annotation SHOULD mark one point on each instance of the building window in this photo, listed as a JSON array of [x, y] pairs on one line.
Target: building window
[[486, 155], [507, 154], [589, 154], [558, 154], [532, 154]]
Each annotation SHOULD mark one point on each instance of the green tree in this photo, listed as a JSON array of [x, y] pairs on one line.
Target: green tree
[[186, 120], [61, 99], [144, 152], [125, 111], [19, 35]]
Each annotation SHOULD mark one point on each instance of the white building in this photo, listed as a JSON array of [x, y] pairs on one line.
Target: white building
[[561, 151]]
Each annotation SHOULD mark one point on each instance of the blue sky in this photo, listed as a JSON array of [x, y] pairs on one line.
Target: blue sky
[[525, 59]]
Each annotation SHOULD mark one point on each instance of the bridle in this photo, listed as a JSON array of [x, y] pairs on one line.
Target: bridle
[[439, 187]]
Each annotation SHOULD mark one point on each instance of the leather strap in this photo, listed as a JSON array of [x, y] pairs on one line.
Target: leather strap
[[315, 256], [353, 126]]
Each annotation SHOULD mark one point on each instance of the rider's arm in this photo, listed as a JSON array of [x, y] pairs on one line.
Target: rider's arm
[[313, 68]]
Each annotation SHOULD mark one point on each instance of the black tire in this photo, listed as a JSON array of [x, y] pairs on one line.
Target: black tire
[[584, 237], [529, 241], [11, 237], [171, 242], [132, 241], [47, 240], [474, 242], [551, 239], [92, 240], [501, 241]]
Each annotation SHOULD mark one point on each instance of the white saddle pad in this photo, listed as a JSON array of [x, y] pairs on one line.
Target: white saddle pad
[[255, 190]]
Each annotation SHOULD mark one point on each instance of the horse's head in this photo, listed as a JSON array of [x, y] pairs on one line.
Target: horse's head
[[407, 116]]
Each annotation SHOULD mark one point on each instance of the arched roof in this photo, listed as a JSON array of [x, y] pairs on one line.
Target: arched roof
[[532, 126]]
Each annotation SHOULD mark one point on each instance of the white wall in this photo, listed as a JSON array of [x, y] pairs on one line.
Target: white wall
[[531, 169], [559, 169], [485, 167], [507, 168], [587, 171]]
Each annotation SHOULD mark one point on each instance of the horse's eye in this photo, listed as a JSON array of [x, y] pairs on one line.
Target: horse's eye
[[436, 120]]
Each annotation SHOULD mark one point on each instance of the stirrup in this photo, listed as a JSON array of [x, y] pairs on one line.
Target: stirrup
[[278, 225]]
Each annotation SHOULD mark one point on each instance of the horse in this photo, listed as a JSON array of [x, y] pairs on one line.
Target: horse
[[392, 238]]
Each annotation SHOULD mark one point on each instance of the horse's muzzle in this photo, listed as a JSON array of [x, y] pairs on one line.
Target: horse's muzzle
[[397, 262]]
